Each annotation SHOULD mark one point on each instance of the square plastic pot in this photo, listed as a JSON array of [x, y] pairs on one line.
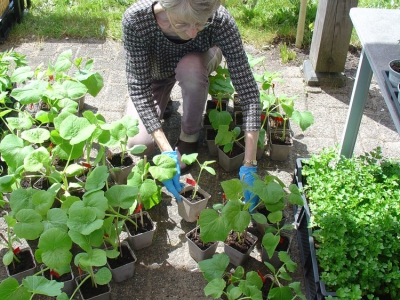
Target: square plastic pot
[[126, 271], [141, 240], [28, 272], [236, 257], [274, 260], [120, 176], [103, 296], [195, 252], [230, 164], [280, 152], [188, 210], [69, 285]]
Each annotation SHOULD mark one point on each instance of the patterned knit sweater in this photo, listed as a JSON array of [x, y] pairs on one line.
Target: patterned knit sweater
[[150, 55]]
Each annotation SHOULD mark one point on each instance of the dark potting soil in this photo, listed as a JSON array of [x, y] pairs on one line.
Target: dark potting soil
[[276, 139], [266, 287], [147, 225], [78, 192], [236, 150], [243, 247], [26, 183], [63, 278], [189, 196], [26, 263], [116, 160], [194, 236], [122, 259], [395, 66], [42, 184], [89, 291], [58, 162]]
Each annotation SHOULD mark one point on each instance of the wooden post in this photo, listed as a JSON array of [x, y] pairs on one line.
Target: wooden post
[[300, 23], [330, 42]]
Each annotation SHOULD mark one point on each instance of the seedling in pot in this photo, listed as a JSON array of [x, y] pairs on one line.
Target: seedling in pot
[[191, 158], [117, 134], [220, 87], [234, 284], [227, 138], [149, 192]]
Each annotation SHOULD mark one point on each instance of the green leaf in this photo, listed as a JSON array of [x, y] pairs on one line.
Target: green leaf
[[19, 123], [233, 189], [96, 180], [219, 118], [31, 93], [275, 217], [13, 151], [188, 159], [259, 218], [56, 218], [22, 198], [212, 226], [95, 258], [103, 276], [43, 200], [21, 74], [36, 135], [8, 258], [84, 220], [73, 170], [235, 217], [76, 129], [137, 149], [6, 183], [93, 81], [214, 267], [41, 285], [270, 242], [215, 288], [55, 245], [234, 292], [10, 289], [63, 62], [62, 296], [73, 89], [304, 119], [29, 224], [269, 193], [297, 289], [121, 196], [37, 159], [280, 293], [164, 169]]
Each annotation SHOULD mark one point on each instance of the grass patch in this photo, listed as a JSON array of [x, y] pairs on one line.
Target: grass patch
[[260, 22]]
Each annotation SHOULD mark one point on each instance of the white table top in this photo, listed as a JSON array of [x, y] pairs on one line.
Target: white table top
[[379, 33]]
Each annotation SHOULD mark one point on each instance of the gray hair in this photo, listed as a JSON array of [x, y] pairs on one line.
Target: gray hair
[[191, 10]]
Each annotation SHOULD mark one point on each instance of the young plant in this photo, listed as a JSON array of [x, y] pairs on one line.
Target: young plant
[[227, 138], [278, 289], [220, 87], [118, 133], [233, 217], [273, 193], [234, 284], [149, 192], [191, 158]]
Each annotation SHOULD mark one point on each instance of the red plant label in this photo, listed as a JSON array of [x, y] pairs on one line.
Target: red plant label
[[281, 240], [54, 273], [86, 165], [139, 208], [261, 276], [191, 182], [224, 196], [16, 250]]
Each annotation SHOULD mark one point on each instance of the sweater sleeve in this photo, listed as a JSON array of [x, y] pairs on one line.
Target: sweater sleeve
[[136, 33], [228, 38]]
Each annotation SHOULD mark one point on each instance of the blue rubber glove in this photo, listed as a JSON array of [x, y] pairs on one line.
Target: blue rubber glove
[[245, 175], [173, 185]]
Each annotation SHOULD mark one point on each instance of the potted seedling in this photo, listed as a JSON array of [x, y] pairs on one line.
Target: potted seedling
[[234, 284], [118, 133], [231, 224], [148, 195], [230, 151], [85, 223], [199, 249], [194, 199], [120, 257]]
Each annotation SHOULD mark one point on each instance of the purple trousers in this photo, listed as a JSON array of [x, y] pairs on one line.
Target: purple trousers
[[191, 74]]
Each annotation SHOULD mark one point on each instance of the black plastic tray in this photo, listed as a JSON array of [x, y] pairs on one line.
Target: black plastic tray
[[393, 91]]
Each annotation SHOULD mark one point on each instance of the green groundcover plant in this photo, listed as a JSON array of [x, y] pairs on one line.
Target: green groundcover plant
[[355, 216]]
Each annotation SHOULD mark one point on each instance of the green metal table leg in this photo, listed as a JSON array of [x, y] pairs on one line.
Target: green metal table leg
[[356, 108]]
